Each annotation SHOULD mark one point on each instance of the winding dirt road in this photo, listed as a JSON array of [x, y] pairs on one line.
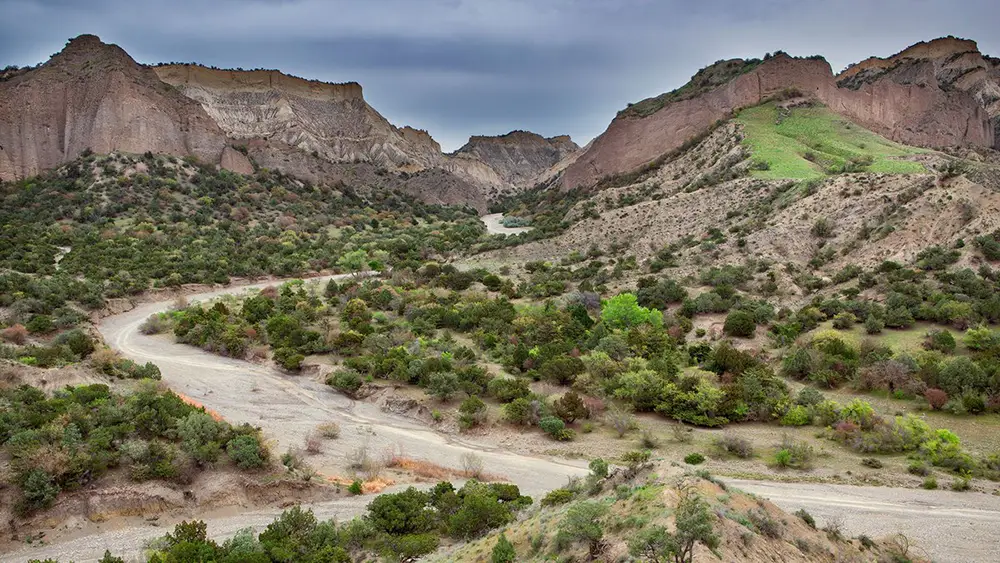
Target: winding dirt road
[[948, 526], [287, 408]]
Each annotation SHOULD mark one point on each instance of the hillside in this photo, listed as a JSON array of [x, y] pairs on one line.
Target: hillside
[[913, 104]]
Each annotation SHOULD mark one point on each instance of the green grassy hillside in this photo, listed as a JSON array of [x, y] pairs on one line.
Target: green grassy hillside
[[812, 142]]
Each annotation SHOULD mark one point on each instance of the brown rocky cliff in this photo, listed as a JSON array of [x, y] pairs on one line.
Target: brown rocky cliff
[[949, 67], [92, 95], [632, 141], [940, 93]]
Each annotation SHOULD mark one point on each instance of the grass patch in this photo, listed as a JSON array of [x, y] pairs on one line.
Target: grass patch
[[808, 142]]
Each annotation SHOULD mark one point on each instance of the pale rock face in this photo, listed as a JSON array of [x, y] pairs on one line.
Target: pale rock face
[[517, 158], [235, 161], [94, 96], [332, 120]]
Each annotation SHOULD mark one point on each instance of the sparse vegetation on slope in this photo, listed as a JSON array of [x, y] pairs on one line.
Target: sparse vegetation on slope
[[811, 142]]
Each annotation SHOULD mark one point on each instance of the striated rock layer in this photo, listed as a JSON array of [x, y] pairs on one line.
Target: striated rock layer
[[331, 120], [940, 93], [94, 96]]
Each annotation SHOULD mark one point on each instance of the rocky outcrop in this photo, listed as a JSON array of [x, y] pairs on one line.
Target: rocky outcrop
[[93, 96], [519, 157], [330, 120], [632, 140], [940, 93], [235, 161], [948, 65]]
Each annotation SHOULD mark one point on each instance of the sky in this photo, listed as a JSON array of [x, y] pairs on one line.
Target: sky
[[485, 67]]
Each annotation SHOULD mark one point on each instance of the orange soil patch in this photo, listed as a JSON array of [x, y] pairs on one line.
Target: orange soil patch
[[375, 485], [196, 404], [429, 470]]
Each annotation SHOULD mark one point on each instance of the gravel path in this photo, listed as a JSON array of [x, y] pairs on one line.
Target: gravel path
[[944, 525]]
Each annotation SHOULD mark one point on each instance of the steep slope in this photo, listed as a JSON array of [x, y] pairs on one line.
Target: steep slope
[[948, 64], [947, 96], [518, 157], [332, 120], [94, 96]]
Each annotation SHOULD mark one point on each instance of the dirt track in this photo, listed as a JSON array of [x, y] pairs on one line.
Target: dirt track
[[949, 526]]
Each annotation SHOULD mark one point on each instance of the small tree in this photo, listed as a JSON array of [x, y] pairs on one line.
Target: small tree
[[570, 407], [694, 523], [583, 523], [503, 551]]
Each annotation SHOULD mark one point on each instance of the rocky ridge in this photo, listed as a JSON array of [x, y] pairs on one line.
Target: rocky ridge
[[941, 93]]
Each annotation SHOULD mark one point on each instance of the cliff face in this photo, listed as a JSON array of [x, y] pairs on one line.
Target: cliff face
[[939, 93], [633, 140], [94, 96], [332, 120], [519, 157], [950, 66]]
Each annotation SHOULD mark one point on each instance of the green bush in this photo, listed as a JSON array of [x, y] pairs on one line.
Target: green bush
[[503, 551], [557, 497], [798, 415], [472, 413], [694, 459], [246, 452], [740, 323], [347, 381]]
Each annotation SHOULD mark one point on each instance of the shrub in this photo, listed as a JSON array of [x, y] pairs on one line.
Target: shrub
[[246, 452], [735, 445], [555, 427], [79, 343], [874, 325], [764, 523], [940, 340], [694, 459], [329, 430], [507, 389], [520, 412], [598, 468], [557, 496], [355, 488], [16, 334], [844, 321], [871, 462], [936, 398], [38, 490], [40, 324], [472, 413], [570, 407], [740, 323], [620, 420], [288, 359], [960, 484], [797, 416], [503, 551], [155, 324], [582, 522], [347, 381], [930, 483], [919, 468], [794, 455], [806, 517]]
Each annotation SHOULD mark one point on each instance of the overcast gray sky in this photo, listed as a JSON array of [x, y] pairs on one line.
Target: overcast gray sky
[[464, 67]]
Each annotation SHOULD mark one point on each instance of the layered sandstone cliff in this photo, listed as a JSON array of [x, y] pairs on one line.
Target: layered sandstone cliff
[[331, 120], [519, 157], [94, 96], [941, 93]]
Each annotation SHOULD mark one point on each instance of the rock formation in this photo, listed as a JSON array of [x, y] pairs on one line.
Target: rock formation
[[94, 96], [940, 93], [518, 157]]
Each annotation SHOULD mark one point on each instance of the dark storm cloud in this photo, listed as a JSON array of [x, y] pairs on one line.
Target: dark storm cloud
[[462, 67]]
